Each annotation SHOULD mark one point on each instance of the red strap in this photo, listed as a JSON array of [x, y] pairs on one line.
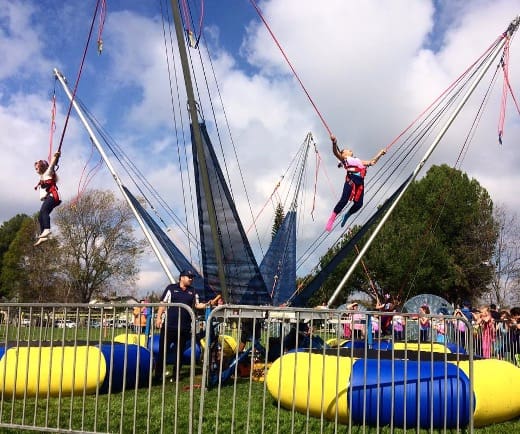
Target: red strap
[[358, 191], [505, 88], [290, 66]]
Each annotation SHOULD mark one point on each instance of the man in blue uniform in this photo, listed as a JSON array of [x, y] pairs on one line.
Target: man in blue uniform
[[175, 321]]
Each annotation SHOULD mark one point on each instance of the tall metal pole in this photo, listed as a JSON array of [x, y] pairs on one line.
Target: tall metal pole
[[511, 29], [192, 107], [94, 139]]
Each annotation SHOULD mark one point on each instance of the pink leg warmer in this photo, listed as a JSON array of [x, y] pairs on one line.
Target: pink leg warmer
[[330, 222]]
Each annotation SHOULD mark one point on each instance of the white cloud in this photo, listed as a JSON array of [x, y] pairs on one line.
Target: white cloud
[[370, 67]]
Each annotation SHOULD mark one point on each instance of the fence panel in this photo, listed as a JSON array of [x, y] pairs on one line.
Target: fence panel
[[86, 368]]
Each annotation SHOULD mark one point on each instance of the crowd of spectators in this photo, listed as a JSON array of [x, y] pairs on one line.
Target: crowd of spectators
[[493, 333]]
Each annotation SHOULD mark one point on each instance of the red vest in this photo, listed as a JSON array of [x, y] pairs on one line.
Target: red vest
[[50, 186]]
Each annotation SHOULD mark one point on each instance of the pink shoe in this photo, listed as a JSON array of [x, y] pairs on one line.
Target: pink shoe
[[330, 222]]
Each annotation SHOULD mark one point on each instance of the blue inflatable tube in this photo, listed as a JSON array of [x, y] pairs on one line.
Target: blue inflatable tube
[[432, 393], [171, 355], [127, 365]]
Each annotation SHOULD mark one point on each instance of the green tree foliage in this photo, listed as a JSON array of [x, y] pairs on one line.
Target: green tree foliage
[[439, 240], [278, 219], [8, 232], [98, 248], [31, 274]]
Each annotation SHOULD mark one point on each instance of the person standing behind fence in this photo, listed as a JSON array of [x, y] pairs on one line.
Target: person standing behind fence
[[424, 323], [515, 338], [398, 326], [357, 322], [495, 314], [440, 328], [486, 325], [503, 342], [175, 322], [139, 312], [467, 311], [460, 328]]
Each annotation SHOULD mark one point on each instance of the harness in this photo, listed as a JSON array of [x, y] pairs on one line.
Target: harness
[[356, 188], [50, 187]]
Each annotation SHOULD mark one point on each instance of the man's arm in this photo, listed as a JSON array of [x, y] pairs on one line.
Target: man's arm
[[198, 305], [158, 320]]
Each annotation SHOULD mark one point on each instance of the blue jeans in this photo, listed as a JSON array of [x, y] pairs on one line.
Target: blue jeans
[[44, 218], [345, 196]]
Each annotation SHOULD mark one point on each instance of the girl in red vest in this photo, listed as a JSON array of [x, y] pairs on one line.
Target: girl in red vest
[[48, 194], [354, 181]]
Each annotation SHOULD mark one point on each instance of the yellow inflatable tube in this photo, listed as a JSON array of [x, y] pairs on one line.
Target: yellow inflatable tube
[[289, 380], [320, 385], [496, 386], [132, 339], [227, 343], [432, 347], [49, 371]]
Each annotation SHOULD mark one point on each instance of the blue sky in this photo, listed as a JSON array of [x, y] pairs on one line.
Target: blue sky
[[370, 67]]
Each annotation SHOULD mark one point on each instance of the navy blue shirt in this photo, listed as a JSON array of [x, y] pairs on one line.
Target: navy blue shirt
[[174, 294]]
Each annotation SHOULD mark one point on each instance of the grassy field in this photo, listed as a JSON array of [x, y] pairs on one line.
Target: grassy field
[[245, 408]]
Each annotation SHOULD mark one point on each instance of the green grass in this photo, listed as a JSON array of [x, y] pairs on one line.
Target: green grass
[[242, 407], [245, 408]]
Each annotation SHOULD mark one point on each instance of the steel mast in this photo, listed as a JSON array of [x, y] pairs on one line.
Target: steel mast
[[506, 35], [192, 108]]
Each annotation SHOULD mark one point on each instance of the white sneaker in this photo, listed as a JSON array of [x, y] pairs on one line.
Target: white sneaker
[[40, 240], [45, 233]]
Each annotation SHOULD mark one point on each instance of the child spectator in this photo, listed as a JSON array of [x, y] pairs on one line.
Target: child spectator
[[486, 324], [515, 334], [460, 328], [398, 327], [441, 330], [424, 323], [140, 313], [503, 340]]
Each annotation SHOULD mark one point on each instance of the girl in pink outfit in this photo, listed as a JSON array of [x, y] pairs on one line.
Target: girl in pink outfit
[[487, 331], [354, 181]]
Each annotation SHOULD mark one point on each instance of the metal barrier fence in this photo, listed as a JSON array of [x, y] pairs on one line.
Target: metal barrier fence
[[86, 368]]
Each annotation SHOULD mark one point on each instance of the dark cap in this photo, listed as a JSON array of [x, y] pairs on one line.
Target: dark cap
[[188, 273]]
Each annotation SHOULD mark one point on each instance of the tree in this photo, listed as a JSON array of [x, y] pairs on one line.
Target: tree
[[98, 248], [31, 274], [278, 220], [439, 240], [8, 232], [504, 286]]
